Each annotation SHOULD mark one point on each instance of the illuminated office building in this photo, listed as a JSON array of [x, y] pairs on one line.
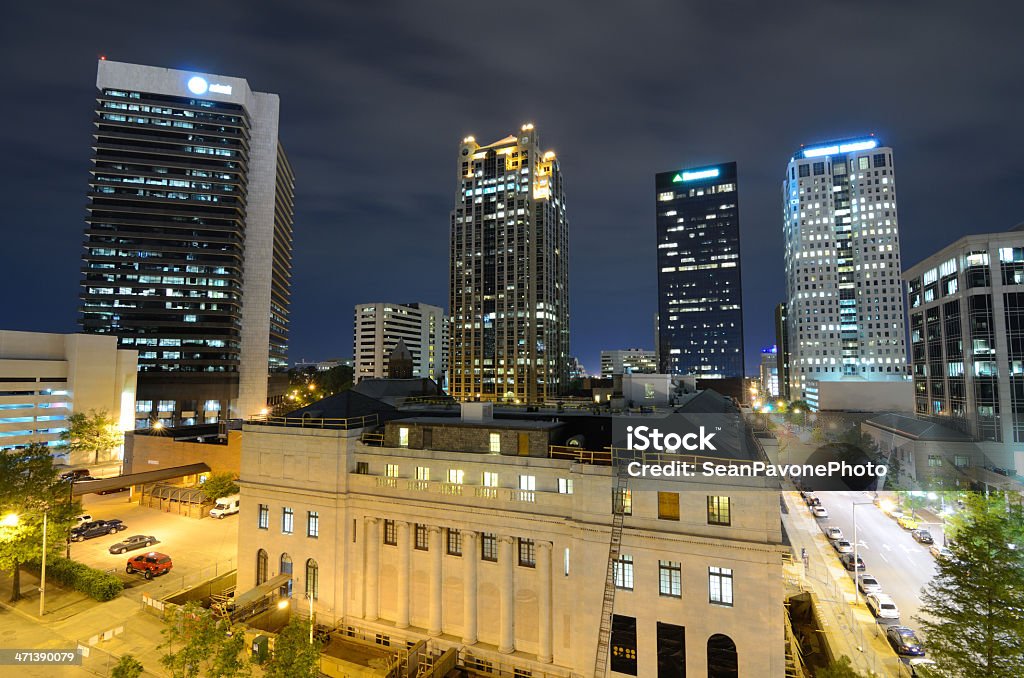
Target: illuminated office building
[[700, 317], [844, 302], [509, 285], [189, 238], [380, 326]]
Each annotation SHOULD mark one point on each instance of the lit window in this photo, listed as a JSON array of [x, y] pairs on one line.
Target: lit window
[[263, 519], [403, 437], [495, 441], [490, 479], [669, 578], [623, 572], [422, 473], [720, 585], [668, 505], [719, 511], [489, 547], [287, 520], [528, 483], [456, 475], [391, 470], [313, 524], [565, 485], [622, 501]]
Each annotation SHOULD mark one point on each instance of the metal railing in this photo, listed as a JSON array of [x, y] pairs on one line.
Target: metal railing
[[338, 423], [578, 454]]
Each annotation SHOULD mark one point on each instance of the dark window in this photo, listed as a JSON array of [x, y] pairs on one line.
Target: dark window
[[668, 505], [879, 159], [312, 579], [722, 659], [422, 540], [312, 524], [390, 533], [362, 468], [805, 170], [454, 542], [287, 520], [671, 651], [623, 644], [819, 168], [489, 547], [261, 566], [527, 553]]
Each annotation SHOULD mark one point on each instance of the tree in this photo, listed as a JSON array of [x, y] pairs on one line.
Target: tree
[[30, 487], [841, 668], [220, 485], [126, 667], [294, 656], [96, 434], [973, 610], [196, 643]]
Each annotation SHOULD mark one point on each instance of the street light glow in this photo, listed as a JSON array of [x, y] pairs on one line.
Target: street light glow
[[10, 520], [282, 604]]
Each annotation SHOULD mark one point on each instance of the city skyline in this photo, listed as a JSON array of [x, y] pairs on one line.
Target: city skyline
[[344, 208]]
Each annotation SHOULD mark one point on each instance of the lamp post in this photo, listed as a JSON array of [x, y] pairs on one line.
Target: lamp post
[[309, 596]]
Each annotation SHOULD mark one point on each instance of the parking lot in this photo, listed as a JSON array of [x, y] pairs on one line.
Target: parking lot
[[199, 548]]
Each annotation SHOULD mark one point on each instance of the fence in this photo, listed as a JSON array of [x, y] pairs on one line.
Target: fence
[[343, 424]]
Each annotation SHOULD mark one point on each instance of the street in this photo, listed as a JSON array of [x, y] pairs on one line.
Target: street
[[901, 565]]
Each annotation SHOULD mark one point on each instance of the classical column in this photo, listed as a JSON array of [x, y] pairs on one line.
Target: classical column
[[371, 576], [436, 581], [544, 650], [507, 595], [470, 557], [404, 561]]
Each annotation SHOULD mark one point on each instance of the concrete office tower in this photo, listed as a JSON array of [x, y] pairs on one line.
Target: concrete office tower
[[380, 325], [628, 360], [844, 302], [189, 238], [509, 286], [770, 371], [44, 378], [700, 298], [966, 315]]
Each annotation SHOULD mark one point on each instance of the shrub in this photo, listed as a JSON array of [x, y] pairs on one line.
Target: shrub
[[92, 582]]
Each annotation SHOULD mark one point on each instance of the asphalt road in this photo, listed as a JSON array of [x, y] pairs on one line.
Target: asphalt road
[[900, 564]]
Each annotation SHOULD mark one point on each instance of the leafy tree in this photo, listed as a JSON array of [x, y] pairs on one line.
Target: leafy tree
[[334, 380], [220, 485], [96, 433], [30, 487], [294, 656], [841, 668], [126, 667], [196, 643], [973, 610]]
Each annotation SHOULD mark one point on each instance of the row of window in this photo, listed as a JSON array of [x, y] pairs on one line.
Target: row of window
[[670, 580], [719, 507], [288, 521], [527, 548]]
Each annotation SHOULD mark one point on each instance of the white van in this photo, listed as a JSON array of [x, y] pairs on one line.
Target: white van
[[225, 506]]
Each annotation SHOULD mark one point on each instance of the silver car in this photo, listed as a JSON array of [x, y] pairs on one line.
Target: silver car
[[868, 584], [842, 546]]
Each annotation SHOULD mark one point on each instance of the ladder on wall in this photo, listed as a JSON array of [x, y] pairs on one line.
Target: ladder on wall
[[608, 602]]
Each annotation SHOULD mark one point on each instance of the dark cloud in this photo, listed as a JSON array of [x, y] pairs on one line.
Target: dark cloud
[[376, 96]]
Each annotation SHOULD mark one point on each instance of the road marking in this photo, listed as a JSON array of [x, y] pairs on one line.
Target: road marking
[[882, 556], [862, 544], [886, 547]]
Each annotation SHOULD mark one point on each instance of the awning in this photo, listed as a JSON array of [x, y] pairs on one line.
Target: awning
[[80, 488], [266, 588]]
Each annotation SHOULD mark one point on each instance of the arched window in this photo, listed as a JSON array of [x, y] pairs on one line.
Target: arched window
[[261, 566], [722, 659], [312, 579], [286, 568]]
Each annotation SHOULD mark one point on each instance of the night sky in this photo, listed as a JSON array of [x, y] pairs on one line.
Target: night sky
[[376, 96]]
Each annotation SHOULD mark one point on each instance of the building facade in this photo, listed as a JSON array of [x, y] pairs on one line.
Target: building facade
[[509, 285], [967, 340], [44, 378], [623, 361], [770, 371], [782, 348], [379, 327], [467, 533], [700, 297], [188, 238], [844, 306]]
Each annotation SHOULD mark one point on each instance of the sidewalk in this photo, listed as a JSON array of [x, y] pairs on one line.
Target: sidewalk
[[848, 625]]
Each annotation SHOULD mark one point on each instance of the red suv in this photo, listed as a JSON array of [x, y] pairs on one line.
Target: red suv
[[149, 564]]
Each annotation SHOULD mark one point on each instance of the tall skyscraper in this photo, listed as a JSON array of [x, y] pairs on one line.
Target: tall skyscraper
[[509, 272], [379, 327], [188, 238], [782, 354], [844, 301], [700, 317]]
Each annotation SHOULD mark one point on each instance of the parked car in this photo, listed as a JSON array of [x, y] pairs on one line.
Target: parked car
[[833, 533], [842, 546], [940, 551], [812, 501], [225, 506], [923, 536], [136, 541], [895, 515], [96, 528], [149, 564], [847, 560], [908, 522], [904, 641], [84, 518], [820, 512], [868, 584], [75, 474], [883, 606]]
